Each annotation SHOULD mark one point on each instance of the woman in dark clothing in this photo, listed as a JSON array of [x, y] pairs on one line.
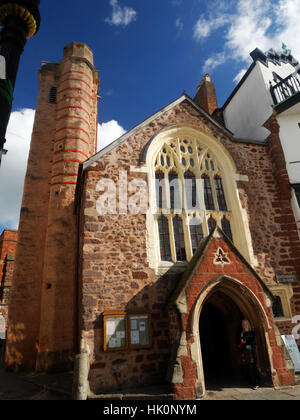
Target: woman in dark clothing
[[248, 352]]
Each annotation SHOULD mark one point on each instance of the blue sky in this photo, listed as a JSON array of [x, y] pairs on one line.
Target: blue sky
[[143, 65], [147, 52], [144, 62]]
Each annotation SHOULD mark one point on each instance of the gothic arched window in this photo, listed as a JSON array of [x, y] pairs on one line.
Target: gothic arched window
[[190, 188], [208, 193], [220, 194], [160, 189], [179, 238], [175, 198], [196, 235], [164, 238], [190, 197], [211, 224], [226, 228]]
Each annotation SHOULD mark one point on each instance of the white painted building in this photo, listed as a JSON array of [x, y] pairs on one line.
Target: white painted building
[[271, 82]]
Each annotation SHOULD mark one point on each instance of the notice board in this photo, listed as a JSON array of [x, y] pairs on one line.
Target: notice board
[[140, 335], [123, 331], [115, 332]]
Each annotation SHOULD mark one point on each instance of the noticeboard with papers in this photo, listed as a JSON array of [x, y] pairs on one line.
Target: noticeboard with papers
[[126, 331], [140, 331], [115, 332]]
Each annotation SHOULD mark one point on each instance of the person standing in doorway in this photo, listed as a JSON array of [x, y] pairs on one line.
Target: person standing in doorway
[[247, 347]]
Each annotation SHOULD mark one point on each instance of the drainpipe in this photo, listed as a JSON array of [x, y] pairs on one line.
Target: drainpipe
[[81, 363], [81, 374]]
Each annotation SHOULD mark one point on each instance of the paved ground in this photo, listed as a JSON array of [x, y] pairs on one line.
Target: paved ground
[[32, 386], [15, 387], [263, 394]]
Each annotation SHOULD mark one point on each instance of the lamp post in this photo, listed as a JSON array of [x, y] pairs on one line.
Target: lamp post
[[20, 20]]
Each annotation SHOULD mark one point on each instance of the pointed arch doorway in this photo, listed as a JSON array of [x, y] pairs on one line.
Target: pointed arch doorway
[[217, 322], [219, 327]]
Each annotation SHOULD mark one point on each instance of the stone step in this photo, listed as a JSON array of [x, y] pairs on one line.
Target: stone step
[[147, 393]]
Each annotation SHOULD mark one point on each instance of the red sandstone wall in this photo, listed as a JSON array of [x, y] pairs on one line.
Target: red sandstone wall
[[204, 273], [43, 299], [25, 302], [74, 142], [114, 271], [8, 244]]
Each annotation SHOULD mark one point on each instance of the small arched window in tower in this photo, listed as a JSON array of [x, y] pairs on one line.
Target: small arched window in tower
[[179, 238], [196, 235], [53, 95], [226, 227], [164, 237], [220, 194], [277, 307], [208, 194], [190, 188], [211, 224]]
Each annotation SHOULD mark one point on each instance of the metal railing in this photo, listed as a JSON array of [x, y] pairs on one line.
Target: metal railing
[[285, 88]]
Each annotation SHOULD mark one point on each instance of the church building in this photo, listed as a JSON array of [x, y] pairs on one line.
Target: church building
[[147, 255]]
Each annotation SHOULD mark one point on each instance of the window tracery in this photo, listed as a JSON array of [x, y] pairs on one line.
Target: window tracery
[[190, 197]]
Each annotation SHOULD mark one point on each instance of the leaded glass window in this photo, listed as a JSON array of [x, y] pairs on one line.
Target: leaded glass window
[[208, 193], [220, 194], [164, 238], [189, 188], [196, 231], [179, 239], [226, 227]]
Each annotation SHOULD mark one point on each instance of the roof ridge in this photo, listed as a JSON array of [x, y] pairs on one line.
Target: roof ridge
[[152, 117]]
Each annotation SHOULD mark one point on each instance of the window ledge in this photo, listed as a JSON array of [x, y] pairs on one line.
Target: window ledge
[[165, 266], [283, 319]]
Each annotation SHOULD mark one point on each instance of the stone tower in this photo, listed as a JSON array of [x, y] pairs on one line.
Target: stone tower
[[42, 321]]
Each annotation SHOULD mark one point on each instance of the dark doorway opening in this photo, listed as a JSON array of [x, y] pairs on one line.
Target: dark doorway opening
[[220, 326]]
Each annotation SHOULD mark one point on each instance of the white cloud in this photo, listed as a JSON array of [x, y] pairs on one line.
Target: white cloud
[[287, 19], [250, 24], [14, 164], [249, 28], [121, 15], [212, 62], [239, 76], [179, 25], [13, 168], [206, 25], [108, 132]]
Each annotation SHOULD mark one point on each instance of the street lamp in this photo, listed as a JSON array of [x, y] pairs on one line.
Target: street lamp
[[20, 20]]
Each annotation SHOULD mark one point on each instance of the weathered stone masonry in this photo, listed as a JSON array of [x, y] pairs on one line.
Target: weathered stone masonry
[[42, 332], [114, 257], [8, 244], [74, 264]]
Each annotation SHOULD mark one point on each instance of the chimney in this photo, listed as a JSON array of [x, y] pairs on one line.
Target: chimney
[[206, 95]]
